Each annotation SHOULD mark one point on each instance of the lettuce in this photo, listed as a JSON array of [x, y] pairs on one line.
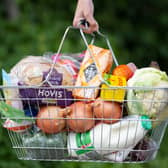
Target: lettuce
[[150, 94], [147, 77]]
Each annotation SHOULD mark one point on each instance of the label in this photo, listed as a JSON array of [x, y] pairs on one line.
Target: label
[[17, 127], [90, 72], [61, 97], [83, 141], [54, 78], [50, 93], [113, 93], [88, 93], [117, 81], [146, 122]]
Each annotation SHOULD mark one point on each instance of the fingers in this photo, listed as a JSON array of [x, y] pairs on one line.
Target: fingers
[[76, 22], [85, 10], [93, 25]]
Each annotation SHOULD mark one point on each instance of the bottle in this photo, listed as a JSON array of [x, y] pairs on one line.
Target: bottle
[[106, 139]]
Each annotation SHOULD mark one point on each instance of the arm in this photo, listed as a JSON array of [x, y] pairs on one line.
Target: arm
[[85, 10]]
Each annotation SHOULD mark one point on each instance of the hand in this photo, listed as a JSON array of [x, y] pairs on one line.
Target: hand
[[85, 10]]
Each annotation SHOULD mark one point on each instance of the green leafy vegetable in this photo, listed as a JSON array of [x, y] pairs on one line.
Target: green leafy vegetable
[[11, 112], [152, 97]]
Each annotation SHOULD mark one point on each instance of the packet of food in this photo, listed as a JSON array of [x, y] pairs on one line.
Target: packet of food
[[115, 94], [15, 118], [11, 94], [91, 70], [32, 71], [71, 62], [108, 139], [17, 127], [45, 146]]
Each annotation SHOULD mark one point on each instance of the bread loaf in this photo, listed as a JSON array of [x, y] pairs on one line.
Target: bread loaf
[[31, 69], [89, 73]]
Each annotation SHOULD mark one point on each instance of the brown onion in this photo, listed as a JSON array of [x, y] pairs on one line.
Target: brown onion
[[51, 119], [107, 110], [81, 117]]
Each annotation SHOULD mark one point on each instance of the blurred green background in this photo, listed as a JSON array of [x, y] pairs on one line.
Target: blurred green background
[[137, 31]]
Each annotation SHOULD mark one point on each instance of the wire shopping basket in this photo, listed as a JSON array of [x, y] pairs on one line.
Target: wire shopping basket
[[68, 128]]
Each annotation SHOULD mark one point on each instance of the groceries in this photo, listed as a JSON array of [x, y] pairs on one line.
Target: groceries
[[96, 62], [15, 119], [41, 146], [11, 94], [148, 101], [119, 77], [51, 119], [143, 151], [100, 110], [16, 126], [124, 71], [105, 110], [71, 62], [106, 138], [116, 94], [32, 72], [46, 95], [132, 66], [81, 117]]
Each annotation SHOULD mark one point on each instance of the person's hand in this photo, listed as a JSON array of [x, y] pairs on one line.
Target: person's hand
[[85, 10]]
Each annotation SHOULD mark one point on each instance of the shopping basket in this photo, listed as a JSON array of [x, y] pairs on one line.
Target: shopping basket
[[123, 141]]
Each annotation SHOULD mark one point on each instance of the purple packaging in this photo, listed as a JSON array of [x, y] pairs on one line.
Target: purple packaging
[[46, 94]]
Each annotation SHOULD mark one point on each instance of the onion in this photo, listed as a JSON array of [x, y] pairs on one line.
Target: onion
[[81, 117], [107, 110], [51, 119]]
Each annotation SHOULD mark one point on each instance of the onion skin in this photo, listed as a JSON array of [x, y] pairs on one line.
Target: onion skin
[[107, 110], [81, 118], [47, 119]]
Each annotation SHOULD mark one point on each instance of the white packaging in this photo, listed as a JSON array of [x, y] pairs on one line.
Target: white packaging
[[17, 127], [118, 156], [11, 94], [105, 139]]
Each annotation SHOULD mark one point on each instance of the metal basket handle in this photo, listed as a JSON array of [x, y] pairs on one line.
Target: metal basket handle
[[86, 43]]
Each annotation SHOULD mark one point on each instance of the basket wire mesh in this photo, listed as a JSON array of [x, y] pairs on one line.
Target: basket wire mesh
[[32, 144]]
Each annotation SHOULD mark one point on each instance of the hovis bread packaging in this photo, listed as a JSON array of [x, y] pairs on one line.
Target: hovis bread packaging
[[32, 71], [89, 74]]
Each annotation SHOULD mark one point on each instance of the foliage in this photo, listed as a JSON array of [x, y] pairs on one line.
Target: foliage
[[137, 31]]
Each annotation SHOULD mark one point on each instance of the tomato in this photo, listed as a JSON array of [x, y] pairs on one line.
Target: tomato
[[124, 71]]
